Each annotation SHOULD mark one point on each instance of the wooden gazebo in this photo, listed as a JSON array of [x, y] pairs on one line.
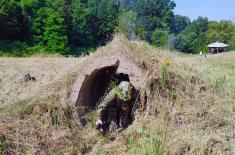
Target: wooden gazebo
[[217, 47]]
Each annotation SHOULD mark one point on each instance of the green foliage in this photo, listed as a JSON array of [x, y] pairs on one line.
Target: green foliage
[[232, 41], [8, 48], [49, 30], [103, 20], [93, 22], [201, 32], [118, 91], [220, 31], [153, 14], [128, 24], [81, 32], [60, 116], [179, 23], [140, 141], [74, 27], [29, 7], [92, 117], [160, 38], [171, 42], [149, 20], [193, 38], [2, 143], [53, 26], [11, 20]]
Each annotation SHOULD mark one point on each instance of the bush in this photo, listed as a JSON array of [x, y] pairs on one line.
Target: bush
[[193, 38], [160, 38], [8, 48], [50, 31]]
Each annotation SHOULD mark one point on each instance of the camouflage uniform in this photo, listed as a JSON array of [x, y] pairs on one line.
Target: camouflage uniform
[[116, 107]]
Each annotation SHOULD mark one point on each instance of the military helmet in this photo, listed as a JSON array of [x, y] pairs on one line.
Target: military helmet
[[124, 91]]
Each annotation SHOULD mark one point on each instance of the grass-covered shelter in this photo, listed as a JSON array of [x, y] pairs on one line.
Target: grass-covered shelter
[[217, 47]]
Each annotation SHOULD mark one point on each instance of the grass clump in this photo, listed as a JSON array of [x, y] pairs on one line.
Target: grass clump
[[2, 144], [140, 141], [164, 73]]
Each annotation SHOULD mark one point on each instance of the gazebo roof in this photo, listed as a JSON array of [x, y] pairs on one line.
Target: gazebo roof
[[217, 45]]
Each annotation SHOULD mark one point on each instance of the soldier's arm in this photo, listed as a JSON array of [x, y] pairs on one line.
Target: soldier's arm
[[106, 103]]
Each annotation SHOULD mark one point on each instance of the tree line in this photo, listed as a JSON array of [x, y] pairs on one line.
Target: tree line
[[201, 32], [71, 27], [154, 21], [56, 26]]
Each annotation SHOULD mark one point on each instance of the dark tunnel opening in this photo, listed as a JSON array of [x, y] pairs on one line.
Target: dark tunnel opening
[[96, 85]]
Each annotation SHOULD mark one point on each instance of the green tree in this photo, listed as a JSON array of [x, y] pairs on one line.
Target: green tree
[[93, 22], [103, 20], [128, 24], [29, 11], [232, 41], [179, 23], [81, 32], [160, 38], [153, 14], [220, 31], [30, 7], [193, 38], [11, 20], [61, 6], [50, 30], [56, 24]]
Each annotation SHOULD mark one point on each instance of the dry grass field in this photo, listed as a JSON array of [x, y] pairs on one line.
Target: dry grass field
[[190, 107], [45, 70], [218, 69]]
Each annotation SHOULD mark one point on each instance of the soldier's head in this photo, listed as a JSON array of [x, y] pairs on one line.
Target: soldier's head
[[126, 90]]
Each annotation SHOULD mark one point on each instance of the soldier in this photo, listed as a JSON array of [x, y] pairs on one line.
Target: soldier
[[116, 107]]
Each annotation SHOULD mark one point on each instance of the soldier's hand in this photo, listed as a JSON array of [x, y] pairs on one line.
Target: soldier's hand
[[98, 125]]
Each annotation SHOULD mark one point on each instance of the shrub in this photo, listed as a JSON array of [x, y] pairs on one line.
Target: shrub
[[160, 38], [8, 48]]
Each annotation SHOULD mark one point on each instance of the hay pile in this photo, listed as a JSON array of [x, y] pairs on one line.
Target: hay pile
[[179, 113]]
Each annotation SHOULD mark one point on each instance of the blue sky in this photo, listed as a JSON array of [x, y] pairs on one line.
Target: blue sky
[[213, 9]]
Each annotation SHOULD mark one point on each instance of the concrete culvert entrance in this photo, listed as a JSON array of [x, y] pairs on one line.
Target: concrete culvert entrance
[[96, 85], [95, 77]]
